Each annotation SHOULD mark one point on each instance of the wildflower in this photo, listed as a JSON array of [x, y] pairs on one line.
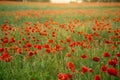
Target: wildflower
[[106, 54], [96, 59], [48, 50], [30, 53], [112, 72], [5, 57], [51, 41], [63, 76], [39, 47], [28, 45], [84, 56], [5, 39], [68, 55], [46, 46], [97, 77], [103, 68], [84, 69], [1, 49], [91, 70], [71, 66], [113, 62], [12, 40], [118, 54]]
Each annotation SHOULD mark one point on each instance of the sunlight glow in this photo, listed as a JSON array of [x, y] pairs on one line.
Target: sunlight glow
[[62, 1]]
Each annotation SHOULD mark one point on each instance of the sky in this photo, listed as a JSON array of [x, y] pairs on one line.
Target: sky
[[61, 1]]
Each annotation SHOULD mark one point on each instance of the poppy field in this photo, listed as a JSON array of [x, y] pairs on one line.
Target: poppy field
[[43, 41]]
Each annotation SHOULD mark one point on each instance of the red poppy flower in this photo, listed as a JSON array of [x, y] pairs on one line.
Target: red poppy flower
[[68, 55], [48, 50], [57, 47], [97, 77], [72, 44], [51, 41], [23, 39], [19, 51], [12, 40], [118, 54], [5, 57], [106, 54], [113, 62], [73, 50], [28, 45], [5, 39], [89, 37], [46, 46], [71, 66], [91, 70], [85, 69], [39, 47], [63, 76], [1, 49], [96, 59], [83, 56], [103, 68], [30, 53], [112, 72], [69, 39]]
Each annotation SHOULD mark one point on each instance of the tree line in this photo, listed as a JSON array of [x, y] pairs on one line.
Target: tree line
[[76, 0], [29, 0], [100, 0]]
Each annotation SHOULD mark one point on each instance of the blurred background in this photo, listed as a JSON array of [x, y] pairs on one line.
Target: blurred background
[[65, 1]]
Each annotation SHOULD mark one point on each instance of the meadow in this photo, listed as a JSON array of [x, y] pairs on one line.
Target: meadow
[[44, 41]]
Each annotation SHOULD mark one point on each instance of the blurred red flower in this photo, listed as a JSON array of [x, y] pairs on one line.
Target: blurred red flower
[[5, 57], [30, 53], [97, 77], [106, 54], [48, 50], [96, 59], [103, 68], [63, 76], [112, 72], [84, 69], [118, 54], [71, 66], [51, 41], [28, 45], [84, 56], [91, 70], [46, 46], [113, 62], [68, 55], [1, 49], [5, 39]]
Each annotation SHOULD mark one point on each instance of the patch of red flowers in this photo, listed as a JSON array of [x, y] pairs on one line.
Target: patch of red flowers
[[112, 72], [113, 62], [63, 76], [5, 57]]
